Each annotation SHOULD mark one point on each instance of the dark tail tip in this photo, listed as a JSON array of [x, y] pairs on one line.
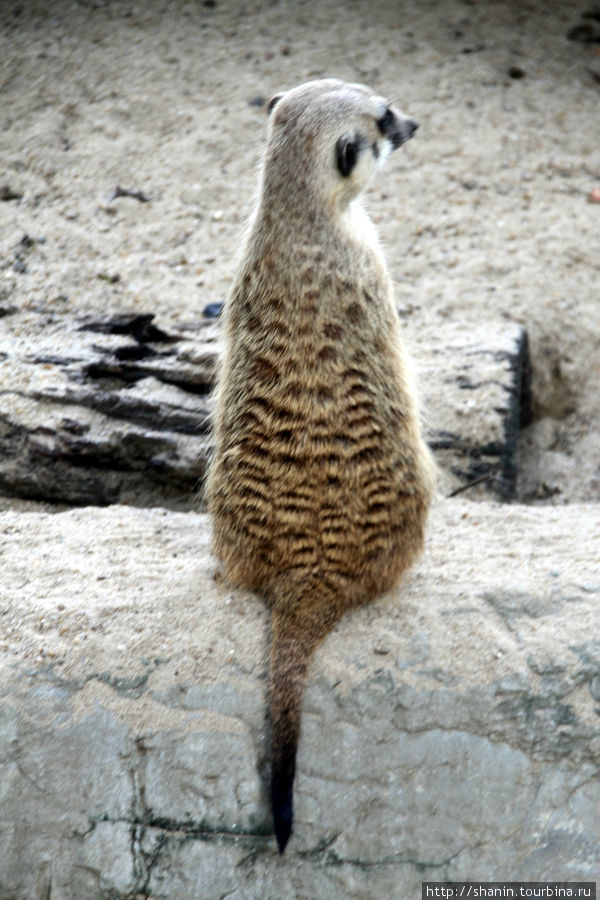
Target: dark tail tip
[[283, 806]]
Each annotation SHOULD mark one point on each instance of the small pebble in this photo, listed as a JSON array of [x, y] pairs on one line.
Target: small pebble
[[7, 194], [212, 310], [585, 33]]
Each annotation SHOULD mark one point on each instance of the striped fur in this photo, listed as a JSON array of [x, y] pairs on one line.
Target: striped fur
[[320, 482]]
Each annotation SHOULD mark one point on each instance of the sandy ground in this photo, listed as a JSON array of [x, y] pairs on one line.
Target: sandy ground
[[486, 214]]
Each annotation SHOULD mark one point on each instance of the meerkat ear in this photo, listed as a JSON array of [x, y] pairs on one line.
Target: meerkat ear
[[347, 150], [273, 103]]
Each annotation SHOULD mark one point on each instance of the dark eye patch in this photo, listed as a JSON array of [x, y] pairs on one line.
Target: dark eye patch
[[347, 152]]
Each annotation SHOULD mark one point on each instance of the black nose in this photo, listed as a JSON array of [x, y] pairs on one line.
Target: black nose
[[410, 126], [403, 131]]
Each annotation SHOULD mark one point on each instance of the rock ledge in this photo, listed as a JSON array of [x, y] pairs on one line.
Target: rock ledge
[[450, 732]]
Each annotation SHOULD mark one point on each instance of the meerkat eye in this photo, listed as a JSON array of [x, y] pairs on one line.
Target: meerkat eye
[[386, 122], [347, 151]]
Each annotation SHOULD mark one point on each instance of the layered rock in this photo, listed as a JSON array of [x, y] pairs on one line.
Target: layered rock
[[117, 409], [450, 731]]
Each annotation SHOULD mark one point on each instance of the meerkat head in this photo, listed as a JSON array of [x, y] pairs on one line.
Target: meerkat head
[[333, 136]]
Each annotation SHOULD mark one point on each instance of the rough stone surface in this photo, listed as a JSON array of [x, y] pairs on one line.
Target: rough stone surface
[[449, 732], [113, 409]]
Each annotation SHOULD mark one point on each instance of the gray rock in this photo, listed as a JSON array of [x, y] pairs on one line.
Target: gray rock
[[450, 732], [100, 411]]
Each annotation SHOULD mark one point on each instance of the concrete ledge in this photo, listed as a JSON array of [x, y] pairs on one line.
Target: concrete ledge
[[450, 732]]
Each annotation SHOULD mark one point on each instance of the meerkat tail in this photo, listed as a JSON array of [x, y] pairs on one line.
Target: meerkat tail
[[289, 665], [293, 643]]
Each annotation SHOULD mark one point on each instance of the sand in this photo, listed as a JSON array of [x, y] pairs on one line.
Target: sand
[[486, 214]]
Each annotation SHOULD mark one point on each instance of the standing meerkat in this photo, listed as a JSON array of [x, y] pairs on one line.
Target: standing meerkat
[[321, 481]]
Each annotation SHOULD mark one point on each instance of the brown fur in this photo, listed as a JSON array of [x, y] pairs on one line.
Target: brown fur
[[320, 482]]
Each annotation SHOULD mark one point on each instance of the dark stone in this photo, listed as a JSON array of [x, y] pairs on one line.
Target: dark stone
[[138, 325], [212, 310], [124, 415], [7, 194]]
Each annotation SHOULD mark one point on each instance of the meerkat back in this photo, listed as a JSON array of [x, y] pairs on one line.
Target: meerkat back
[[320, 481]]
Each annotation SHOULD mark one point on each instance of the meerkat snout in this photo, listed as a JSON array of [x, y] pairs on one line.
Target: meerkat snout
[[408, 128], [396, 128], [393, 129]]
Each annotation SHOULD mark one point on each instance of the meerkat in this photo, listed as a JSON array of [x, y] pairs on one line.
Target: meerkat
[[320, 482]]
